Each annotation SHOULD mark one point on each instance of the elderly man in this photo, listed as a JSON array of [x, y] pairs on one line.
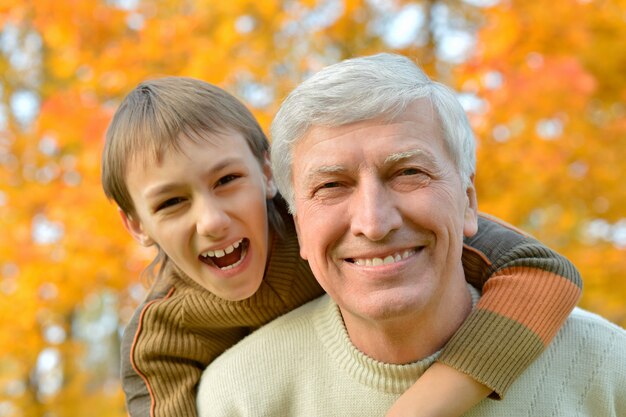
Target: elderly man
[[377, 164]]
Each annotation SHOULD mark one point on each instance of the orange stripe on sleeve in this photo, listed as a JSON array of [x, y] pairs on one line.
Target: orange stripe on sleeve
[[531, 305]]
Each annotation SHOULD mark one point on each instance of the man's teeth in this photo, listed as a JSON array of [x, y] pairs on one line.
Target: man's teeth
[[396, 257], [222, 252]]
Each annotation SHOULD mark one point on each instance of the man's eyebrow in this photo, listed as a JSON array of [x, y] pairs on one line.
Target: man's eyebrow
[[410, 154], [328, 169], [321, 172]]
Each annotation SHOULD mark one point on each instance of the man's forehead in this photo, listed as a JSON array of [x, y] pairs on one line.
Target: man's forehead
[[383, 143], [418, 116]]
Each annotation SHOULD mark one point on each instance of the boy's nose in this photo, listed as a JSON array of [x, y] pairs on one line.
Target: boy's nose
[[211, 219]]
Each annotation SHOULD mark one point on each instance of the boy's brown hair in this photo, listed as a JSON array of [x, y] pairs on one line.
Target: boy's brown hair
[[158, 114]]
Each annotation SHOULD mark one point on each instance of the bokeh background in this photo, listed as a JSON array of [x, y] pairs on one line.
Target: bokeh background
[[544, 84]]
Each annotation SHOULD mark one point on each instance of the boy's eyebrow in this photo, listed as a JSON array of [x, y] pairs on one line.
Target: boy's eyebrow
[[224, 163], [160, 189]]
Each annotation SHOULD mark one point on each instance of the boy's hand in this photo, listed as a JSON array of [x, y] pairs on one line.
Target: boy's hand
[[441, 392]]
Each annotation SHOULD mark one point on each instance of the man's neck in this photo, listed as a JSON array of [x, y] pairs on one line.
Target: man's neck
[[411, 337]]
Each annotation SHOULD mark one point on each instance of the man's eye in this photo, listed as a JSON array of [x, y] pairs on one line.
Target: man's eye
[[227, 178], [410, 171], [169, 203], [327, 189], [332, 184]]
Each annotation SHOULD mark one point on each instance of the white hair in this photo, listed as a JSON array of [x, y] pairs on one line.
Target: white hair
[[360, 89]]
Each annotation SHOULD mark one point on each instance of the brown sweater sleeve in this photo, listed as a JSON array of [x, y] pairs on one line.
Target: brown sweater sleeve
[[179, 331], [136, 390], [163, 359], [528, 292]]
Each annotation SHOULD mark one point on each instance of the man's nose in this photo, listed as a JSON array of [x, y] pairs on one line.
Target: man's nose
[[211, 218], [373, 211]]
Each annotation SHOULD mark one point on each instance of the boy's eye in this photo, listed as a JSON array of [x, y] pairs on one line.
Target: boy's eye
[[169, 203], [227, 178]]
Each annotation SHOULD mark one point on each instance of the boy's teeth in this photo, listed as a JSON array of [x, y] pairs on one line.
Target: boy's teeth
[[396, 257], [222, 252], [232, 266]]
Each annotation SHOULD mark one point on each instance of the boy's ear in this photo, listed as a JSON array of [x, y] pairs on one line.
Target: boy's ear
[[134, 227], [470, 218], [270, 185]]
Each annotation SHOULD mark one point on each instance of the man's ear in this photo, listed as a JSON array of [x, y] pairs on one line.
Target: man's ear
[[270, 185], [300, 242], [470, 217], [135, 228]]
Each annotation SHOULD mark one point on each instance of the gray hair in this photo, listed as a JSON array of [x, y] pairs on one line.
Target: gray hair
[[360, 89]]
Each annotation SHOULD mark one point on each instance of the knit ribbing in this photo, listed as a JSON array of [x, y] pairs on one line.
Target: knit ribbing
[[516, 317], [394, 379]]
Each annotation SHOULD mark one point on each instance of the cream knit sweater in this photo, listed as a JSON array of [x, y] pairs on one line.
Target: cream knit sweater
[[303, 364]]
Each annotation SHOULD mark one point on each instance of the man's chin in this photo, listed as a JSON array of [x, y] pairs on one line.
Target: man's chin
[[381, 307]]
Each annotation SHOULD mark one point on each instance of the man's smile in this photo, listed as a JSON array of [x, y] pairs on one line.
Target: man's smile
[[382, 260]]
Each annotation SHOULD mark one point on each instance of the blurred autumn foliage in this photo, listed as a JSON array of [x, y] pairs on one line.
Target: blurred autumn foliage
[[544, 84]]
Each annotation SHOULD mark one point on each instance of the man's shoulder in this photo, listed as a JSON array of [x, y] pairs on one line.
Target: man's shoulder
[[581, 373], [587, 332], [281, 350], [584, 317], [283, 333], [275, 341]]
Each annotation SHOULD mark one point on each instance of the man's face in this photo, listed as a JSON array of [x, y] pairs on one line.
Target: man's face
[[205, 206], [381, 212]]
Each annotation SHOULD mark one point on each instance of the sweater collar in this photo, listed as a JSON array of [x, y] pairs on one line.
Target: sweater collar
[[385, 377]]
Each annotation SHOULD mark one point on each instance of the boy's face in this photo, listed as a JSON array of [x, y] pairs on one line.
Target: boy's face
[[205, 206]]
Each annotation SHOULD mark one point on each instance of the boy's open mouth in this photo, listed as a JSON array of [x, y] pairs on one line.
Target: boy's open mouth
[[227, 258]]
